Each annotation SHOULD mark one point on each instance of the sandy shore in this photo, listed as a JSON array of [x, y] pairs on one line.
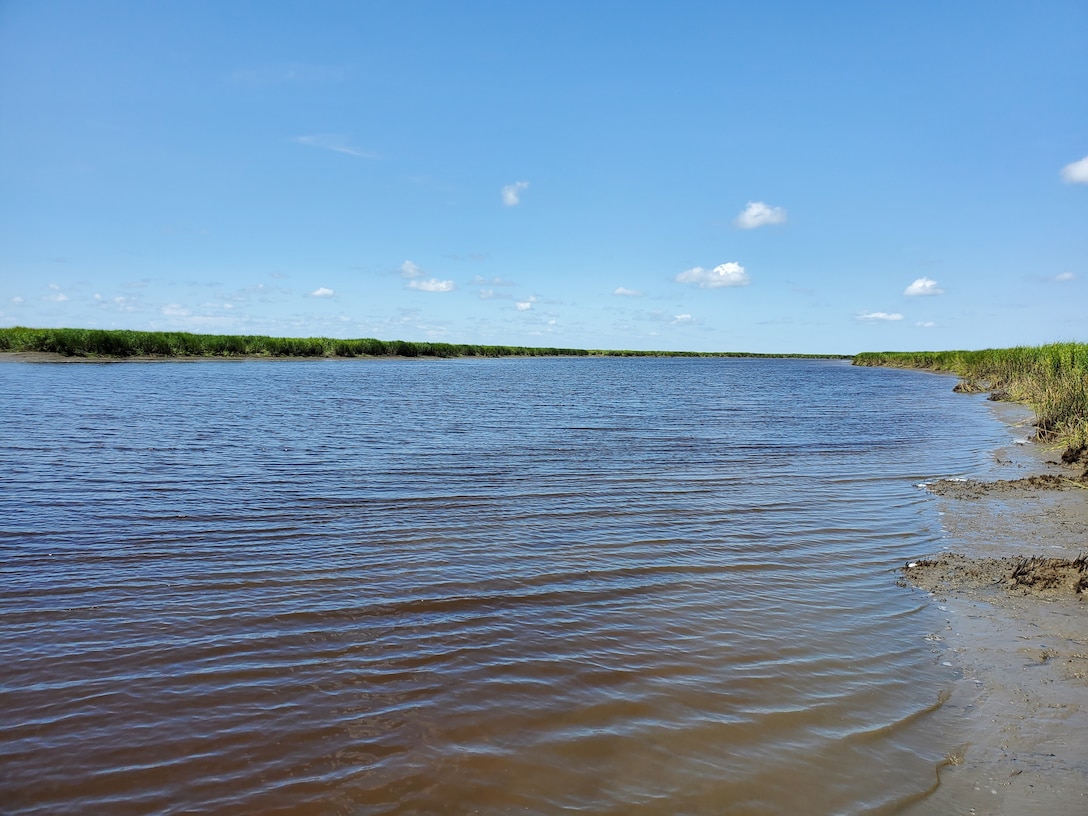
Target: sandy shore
[[1012, 587]]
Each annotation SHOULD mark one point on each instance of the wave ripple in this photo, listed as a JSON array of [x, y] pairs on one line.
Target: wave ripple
[[378, 587]]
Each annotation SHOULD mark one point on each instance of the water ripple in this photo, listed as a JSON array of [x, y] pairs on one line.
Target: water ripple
[[600, 586]]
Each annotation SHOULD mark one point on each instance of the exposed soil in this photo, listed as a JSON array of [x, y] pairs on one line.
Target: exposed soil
[[1011, 585], [975, 489], [1033, 575]]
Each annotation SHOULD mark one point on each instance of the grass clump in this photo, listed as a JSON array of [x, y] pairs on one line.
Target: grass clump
[[1051, 379]]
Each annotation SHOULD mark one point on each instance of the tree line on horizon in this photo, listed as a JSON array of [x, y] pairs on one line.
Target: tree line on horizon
[[121, 343]]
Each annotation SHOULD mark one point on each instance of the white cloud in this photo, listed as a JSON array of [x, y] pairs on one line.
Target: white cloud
[[927, 324], [923, 286], [57, 296], [410, 270], [1076, 172], [523, 305], [175, 310], [431, 285], [511, 193], [726, 274], [874, 316], [480, 280], [624, 291], [322, 291], [682, 318], [336, 143], [1065, 276], [17, 299], [758, 214]]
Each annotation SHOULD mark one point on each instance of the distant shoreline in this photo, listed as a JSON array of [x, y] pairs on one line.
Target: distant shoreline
[[120, 344], [101, 345], [55, 358]]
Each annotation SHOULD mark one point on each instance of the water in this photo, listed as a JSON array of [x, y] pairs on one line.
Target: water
[[632, 586]]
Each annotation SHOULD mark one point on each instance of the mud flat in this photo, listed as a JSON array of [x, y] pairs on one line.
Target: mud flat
[[1012, 587]]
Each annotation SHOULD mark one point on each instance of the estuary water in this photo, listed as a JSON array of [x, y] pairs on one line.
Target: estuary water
[[536, 586]]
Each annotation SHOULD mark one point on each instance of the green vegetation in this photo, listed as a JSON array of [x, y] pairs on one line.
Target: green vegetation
[[122, 343], [1052, 380]]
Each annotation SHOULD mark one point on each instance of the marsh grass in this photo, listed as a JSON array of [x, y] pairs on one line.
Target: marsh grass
[[123, 343], [116, 343], [1051, 379]]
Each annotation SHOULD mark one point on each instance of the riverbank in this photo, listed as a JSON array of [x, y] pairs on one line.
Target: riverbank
[[1010, 586], [53, 358], [1052, 380], [113, 344]]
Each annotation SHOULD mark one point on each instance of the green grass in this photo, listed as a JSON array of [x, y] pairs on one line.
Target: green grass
[[1051, 379], [112, 343]]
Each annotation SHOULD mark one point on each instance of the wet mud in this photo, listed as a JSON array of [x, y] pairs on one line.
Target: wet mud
[[1011, 585], [1026, 486], [1031, 575]]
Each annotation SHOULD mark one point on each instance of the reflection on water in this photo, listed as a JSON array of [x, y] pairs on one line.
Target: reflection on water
[[370, 587]]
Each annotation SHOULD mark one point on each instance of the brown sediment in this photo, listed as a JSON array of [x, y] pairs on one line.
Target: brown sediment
[[1012, 589], [1032, 575], [1029, 485]]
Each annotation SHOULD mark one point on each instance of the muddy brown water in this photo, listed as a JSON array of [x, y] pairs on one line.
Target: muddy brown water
[[411, 587]]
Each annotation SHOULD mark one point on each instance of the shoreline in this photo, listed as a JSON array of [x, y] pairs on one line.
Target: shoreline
[[55, 358], [122, 344], [1015, 630]]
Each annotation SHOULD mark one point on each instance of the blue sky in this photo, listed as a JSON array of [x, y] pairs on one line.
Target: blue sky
[[713, 176]]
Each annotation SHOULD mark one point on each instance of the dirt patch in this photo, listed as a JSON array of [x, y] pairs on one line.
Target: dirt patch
[[1035, 575], [1009, 584], [975, 489]]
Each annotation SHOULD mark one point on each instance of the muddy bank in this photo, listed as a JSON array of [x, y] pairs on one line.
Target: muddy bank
[[1010, 585], [1027, 486], [1032, 575]]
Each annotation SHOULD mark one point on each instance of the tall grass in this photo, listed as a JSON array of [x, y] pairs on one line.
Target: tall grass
[[123, 343], [1051, 379]]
